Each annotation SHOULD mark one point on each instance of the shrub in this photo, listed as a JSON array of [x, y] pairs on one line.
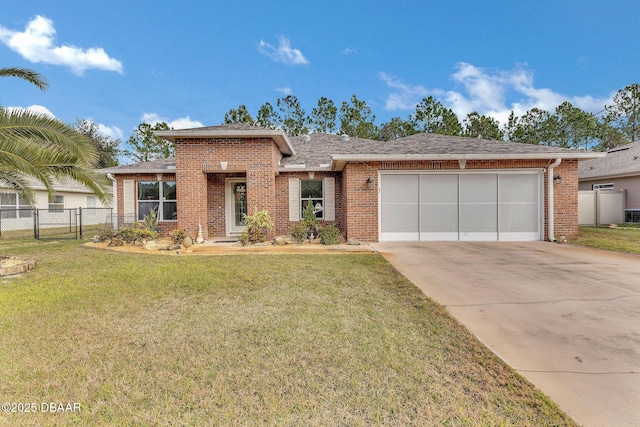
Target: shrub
[[309, 218], [330, 235], [257, 226], [105, 232], [299, 232], [136, 232], [151, 220], [177, 236]]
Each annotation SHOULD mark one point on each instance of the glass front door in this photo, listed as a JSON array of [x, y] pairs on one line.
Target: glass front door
[[236, 205]]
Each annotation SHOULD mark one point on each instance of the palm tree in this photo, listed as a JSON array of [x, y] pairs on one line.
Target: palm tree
[[40, 147]]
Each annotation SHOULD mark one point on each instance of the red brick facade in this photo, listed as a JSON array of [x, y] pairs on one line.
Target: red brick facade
[[201, 186]]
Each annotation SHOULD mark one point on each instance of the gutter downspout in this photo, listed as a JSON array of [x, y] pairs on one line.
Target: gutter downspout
[[114, 218], [550, 223]]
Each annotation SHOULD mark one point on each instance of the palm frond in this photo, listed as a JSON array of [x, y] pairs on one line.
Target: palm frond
[[26, 74], [23, 124]]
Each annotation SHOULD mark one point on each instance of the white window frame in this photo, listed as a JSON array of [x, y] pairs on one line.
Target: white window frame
[[162, 199], [56, 205], [305, 199], [18, 207]]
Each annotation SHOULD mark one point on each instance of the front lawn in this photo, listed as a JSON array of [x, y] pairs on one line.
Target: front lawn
[[621, 239], [243, 340]]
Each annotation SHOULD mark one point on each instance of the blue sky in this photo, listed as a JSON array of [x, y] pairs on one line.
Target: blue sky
[[120, 63]]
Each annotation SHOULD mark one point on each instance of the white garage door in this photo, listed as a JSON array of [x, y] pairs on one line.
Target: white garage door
[[483, 206]]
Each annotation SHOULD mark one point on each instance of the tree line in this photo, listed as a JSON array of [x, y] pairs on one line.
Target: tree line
[[567, 126]]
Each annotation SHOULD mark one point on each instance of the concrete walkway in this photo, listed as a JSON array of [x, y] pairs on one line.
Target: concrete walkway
[[567, 318]]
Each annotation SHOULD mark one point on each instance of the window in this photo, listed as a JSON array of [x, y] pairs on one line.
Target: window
[[603, 186], [12, 210], [312, 189], [91, 205], [159, 196], [57, 204]]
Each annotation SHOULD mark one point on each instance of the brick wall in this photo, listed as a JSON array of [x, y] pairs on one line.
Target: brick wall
[[565, 200], [281, 216], [164, 227], [197, 166], [360, 204]]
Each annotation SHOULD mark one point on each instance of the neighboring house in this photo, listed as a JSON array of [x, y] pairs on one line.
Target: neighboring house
[[16, 213], [618, 170], [422, 187]]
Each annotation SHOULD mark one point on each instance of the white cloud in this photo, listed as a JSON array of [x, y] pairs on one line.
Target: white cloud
[[38, 109], [36, 44], [285, 90], [110, 131], [179, 123], [349, 51], [490, 92], [405, 97], [283, 53]]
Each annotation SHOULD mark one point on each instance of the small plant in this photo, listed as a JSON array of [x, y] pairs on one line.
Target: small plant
[[257, 226], [299, 232], [136, 232], [244, 238], [151, 220], [330, 235], [105, 232], [309, 218], [177, 236]]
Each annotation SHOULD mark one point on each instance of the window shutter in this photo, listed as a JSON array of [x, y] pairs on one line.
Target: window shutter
[[294, 199], [128, 196], [329, 199]]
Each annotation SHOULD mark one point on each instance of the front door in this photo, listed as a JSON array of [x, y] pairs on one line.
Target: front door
[[236, 205]]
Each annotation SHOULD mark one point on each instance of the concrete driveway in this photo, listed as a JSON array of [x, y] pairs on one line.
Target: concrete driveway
[[567, 318]]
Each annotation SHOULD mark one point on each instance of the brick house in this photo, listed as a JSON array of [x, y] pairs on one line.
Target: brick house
[[421, 187]]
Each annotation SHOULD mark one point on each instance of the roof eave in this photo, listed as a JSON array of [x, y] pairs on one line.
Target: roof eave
[[338, 161], [279, 137]]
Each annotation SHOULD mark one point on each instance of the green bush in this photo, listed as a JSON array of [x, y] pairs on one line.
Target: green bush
[[105, 232], [309, 218], [299, 232], [257, 226], [330, 235], [136, 232], [151, 220], [177, 236]]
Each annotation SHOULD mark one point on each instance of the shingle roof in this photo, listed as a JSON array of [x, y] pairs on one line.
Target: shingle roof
[[318, 151], [619, 161], [153, 166]]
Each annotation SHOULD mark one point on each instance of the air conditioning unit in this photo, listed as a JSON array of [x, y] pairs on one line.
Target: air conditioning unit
[[632, 215]]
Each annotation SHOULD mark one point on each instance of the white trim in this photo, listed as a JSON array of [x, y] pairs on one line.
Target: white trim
[[329, 187], [294, 199], [128, 200], [230, 227]]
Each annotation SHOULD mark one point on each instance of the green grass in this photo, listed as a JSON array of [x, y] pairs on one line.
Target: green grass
[[244, 340], [621, 239]]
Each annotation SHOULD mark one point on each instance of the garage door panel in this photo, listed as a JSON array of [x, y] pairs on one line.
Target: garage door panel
[[399, 189], [478, 188], [439, 218], [400, 218], [519, 188], [519, 218], [478, 217], [439, 188]]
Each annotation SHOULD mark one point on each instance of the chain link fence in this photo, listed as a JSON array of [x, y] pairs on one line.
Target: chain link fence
[[54, 223]]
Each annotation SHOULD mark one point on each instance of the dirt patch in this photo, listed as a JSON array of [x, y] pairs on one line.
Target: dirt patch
[[226, 248]]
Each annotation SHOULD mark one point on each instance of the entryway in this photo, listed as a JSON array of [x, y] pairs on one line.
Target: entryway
[[236, 204]]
